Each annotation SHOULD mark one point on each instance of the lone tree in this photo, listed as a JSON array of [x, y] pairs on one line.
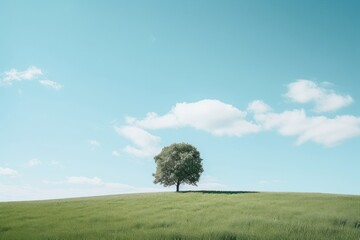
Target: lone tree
[[176, 164]]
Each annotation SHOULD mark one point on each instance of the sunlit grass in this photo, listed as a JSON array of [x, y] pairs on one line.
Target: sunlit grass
[[191, 215]]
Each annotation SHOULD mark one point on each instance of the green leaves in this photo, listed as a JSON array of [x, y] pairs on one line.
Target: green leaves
[[177, 164]]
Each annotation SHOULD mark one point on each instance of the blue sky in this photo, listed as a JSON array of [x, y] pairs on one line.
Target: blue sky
[[90, 91]]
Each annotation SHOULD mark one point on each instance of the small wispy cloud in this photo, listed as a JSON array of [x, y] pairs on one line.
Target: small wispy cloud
[[34, 162], [54, 162], [50, 84], [93, 143], [115, 153], [13, 75], [8, 172]]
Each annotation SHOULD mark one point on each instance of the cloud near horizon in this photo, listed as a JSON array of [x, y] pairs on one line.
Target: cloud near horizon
[[8, 172], [74, 186], [95, 181], [106, 187], [222, 119]]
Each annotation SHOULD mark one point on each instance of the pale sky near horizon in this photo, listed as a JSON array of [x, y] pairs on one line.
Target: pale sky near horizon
[[90, 91]]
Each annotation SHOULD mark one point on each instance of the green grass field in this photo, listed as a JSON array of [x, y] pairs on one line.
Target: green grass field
[[187, 215]]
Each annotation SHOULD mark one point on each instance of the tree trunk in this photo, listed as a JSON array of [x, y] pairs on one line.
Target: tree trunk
[[177, 187]]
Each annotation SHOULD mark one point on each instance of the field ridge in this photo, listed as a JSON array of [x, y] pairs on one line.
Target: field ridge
[[186, 215]]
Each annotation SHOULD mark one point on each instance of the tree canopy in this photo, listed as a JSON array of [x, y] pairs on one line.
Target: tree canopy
[[177, 164]]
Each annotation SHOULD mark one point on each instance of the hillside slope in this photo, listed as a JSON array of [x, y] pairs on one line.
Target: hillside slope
[[188, 215]]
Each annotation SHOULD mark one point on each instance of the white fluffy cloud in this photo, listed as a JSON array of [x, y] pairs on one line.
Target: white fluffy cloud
[[325, 100], [212, 116], [221, 119], [50, 84], [146, 145], [209, 115], [8, 172], [319, 129], [14, 75], [258, 106]]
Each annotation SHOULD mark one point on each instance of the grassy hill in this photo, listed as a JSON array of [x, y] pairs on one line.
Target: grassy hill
[[187, 215]]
